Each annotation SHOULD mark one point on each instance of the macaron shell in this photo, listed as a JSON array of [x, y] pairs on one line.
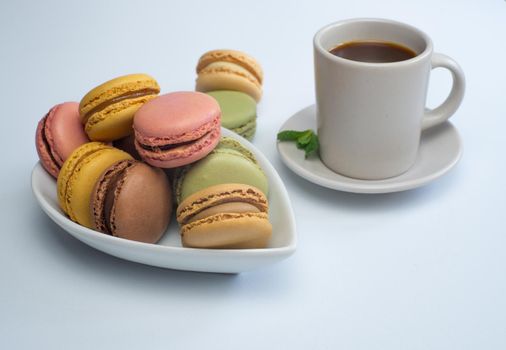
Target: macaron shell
[[142, 205], [226, 143], [65, 130], [230, 143], [58, 134], [69, 167], [228, 76], [176, 117], [219, 167], [115, 121], [228, 231], [233, 56], [237, 108]]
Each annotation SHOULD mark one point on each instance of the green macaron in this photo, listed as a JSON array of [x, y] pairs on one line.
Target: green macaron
[[229, 162], [238, 112]]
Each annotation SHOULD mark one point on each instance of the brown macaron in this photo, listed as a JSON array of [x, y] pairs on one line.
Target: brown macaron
[[132, 200], [225, 216]]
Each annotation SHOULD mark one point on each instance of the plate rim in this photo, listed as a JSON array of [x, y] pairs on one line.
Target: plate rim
[[365, 186]]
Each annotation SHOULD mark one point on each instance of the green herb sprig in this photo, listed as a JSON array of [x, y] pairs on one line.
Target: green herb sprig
[[306, 140]]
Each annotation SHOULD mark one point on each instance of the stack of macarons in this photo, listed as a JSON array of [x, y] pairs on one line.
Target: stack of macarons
[[108, 154], [225, 196], [235, 80]]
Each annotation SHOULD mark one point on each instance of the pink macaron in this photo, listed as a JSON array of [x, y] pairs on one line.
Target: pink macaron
[[178, 128], [58, 134]]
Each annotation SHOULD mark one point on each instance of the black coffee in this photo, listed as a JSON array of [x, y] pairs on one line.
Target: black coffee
[[373, 51]]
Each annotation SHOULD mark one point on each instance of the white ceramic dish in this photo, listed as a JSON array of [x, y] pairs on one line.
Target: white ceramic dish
[[440, 150], [168, 252]]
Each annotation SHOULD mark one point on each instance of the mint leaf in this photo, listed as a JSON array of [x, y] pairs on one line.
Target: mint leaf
[[306, 140], [313, 146], [289, 135]]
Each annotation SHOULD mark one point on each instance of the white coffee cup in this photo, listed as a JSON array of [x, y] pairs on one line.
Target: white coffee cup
[[370, 115]]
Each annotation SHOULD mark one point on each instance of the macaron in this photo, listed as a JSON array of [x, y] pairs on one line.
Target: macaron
[[132, 200], [107, 111], [238, 111], [78, 176], [229, 70], [229, 162], [59, 133], [176, 129], [225, 216]]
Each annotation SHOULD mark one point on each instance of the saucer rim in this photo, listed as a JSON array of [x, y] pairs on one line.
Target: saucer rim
[[352, 185]]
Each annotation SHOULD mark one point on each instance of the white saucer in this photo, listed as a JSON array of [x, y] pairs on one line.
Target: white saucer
[[440, 149]]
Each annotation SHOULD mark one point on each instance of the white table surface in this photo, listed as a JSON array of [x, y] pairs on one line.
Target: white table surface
[[423, 269]]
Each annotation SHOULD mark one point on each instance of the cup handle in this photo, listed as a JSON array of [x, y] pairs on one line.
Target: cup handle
[[444, 111]]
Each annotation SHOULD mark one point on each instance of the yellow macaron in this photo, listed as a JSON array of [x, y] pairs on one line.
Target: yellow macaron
[[107, 111], [229, 70], [78, 176]]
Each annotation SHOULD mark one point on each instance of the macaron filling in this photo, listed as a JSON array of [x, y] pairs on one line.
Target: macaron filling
[[231, 207], [230, 68], [235, 198], [223, 217], [178, 146], [169, 146], [156, 142], [172, 146], [105, 193], [247, 130], [45, 135], [127, 95]]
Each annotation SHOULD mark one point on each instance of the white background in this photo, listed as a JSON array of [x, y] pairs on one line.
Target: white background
[[423, 269]]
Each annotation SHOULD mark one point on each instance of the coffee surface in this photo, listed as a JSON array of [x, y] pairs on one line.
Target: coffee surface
[[373, 51]]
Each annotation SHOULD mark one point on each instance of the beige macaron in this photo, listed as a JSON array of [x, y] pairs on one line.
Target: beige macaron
[[225, 216], [229, 70]]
